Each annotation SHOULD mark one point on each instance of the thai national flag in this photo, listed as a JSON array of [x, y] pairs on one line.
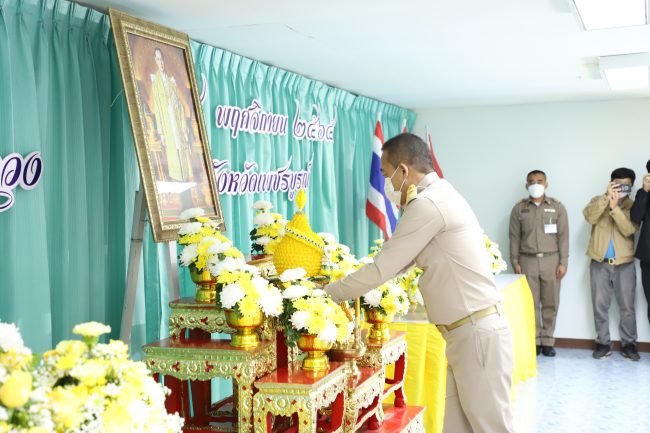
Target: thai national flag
[[436, 166], [404, 128], [379, 209]]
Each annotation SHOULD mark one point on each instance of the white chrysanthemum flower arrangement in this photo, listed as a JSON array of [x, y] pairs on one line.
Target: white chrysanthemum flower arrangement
[[268, 229]]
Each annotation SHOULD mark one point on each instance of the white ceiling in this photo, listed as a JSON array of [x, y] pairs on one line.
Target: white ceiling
[[413, 53]]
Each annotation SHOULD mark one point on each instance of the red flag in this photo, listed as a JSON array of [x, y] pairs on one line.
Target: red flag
[[436, 166], [404, 128]]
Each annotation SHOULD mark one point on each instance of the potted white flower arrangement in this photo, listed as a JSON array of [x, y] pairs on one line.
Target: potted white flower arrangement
[[268, 230], [337, 259], [206, 252], [80, 386], [247, 298], [380, 306], [311, 319]]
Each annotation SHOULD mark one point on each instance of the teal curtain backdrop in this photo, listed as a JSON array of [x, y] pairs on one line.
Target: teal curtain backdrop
[[64, 245]]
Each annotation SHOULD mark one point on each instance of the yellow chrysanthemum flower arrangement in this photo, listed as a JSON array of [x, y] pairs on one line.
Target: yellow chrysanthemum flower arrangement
[[205, 246], [268, 230], [389, 299], [337, 259], [497, 263], [83, 386], [247, 293], [308, 309]]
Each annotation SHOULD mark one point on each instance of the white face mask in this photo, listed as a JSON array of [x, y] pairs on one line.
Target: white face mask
[[392, 195], [536, 190], [623, 194]]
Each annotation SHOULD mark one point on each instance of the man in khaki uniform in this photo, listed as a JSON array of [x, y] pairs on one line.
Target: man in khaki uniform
[[440, 234], [611, 248], [539, 248]]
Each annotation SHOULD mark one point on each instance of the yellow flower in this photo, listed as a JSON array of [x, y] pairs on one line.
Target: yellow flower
[[201, 219], [71, 351], [16, 389], [66, 405], [389, 303], [116, 418], [36, 430], [13, 360], [342, 333], [4, 427], [91, 329], [316, 324], [248, 306], [233, 252], [301, 304], [92, 373]]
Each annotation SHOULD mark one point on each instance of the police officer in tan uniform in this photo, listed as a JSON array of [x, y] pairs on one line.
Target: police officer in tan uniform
[[539, 248], [439, 232]]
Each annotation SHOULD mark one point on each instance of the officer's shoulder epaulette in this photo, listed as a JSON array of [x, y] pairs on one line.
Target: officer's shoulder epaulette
[[554, 200]]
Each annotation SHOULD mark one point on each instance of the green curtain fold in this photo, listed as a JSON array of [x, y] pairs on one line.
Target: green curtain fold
[[65, 244]]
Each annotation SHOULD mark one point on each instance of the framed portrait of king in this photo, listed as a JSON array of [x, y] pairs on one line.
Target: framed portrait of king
[[168, 128]]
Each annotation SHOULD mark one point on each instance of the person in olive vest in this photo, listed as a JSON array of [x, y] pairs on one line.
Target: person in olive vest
[[539, 248]]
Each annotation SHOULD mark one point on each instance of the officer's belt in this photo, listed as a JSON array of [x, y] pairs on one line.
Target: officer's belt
[[539, 255], [496, 308]]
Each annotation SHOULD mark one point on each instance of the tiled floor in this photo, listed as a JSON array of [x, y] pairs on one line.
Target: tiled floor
[[575, 393]]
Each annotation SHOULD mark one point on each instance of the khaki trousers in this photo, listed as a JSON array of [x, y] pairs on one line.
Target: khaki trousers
[[479, 377], [540, 273]]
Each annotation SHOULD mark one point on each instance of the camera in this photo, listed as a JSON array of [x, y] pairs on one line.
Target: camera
[[624, 188]]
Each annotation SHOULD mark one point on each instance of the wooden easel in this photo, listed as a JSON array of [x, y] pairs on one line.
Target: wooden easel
[[133, 270]]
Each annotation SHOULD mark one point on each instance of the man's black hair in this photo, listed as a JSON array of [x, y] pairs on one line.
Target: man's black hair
[[647, 166], [623, 173], [409, 149], [536, 172]]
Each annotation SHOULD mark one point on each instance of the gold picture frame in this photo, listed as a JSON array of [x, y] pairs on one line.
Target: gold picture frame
[[168, 128]]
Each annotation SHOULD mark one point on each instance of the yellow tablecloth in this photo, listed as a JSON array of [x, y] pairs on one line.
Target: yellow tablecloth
[[427, 366]]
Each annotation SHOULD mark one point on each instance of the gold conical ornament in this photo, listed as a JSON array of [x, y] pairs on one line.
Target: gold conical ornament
[[300, 247]]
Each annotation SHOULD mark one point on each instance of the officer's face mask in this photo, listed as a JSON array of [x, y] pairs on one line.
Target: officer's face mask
[[536, 190], [392, 195]]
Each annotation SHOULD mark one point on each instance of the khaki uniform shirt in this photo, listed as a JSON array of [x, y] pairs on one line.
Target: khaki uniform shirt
[[440, 234], [529, 224], [609, 224]]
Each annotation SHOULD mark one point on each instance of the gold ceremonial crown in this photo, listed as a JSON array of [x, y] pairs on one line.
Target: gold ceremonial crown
[[300, 247]]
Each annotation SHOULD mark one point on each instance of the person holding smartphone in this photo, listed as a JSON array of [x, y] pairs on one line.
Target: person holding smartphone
[[611, 248], [640, 214]]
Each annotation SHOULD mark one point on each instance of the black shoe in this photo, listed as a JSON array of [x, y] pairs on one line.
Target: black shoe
[[629, 351], [538, 350], [548, 351], [602, 350]]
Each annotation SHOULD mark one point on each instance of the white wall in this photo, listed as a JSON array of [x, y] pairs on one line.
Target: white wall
[[486, 153]]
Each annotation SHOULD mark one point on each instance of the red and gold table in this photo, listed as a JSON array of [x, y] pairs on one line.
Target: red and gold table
[[180, 361], [292, 392]]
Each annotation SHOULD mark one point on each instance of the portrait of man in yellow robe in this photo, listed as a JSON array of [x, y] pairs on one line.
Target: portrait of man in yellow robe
[[170, 119]]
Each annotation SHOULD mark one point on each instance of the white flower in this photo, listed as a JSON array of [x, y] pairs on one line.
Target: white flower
[[328, 238], [253, 270], [219, 247], [263, 240], [10, 338], [344, 248], [318, 293], [188, 254], [231, 294], [328, 334], [283, 221], [91, 329], [299, 319], [396, 289], [292, 275], [190, 228], [373, 298], [216, 266], [191, 213], [4, 415], [263, 219], [295, 291], [261, 284], [262, 205], [271, 301], [330, 249], [366, 260]]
